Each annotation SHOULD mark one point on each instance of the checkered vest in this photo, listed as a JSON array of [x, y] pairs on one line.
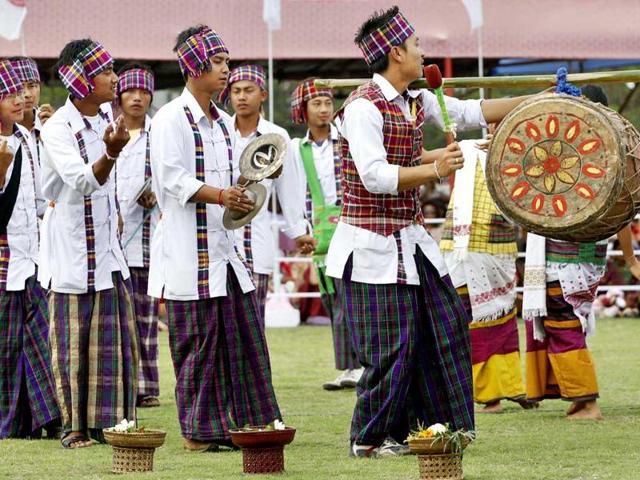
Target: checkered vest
[[384, 214]]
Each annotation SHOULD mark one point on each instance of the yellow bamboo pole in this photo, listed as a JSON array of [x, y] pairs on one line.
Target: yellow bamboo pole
[[516, 81]]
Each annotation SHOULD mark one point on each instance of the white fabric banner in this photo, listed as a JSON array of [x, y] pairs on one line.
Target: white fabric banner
[[271, 14], [12, 13], [474, 9]]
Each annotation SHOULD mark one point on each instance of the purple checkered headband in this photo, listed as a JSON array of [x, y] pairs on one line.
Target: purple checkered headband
[[304, 92], [379, 42], [78, 77], [9, 81], [26, 69], [252, 73], [136, 78], [194, 55]]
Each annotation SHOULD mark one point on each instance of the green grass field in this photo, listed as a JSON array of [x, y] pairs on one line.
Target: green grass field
[[517, 444]]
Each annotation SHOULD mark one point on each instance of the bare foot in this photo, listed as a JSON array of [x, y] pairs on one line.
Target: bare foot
[[197, 446], [493, 407], [589, 411], [575, 407]]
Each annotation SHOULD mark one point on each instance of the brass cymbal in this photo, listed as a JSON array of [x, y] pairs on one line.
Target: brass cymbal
[[263, 157]]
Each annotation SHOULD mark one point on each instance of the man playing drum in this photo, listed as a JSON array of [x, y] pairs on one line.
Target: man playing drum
[[407, 323]]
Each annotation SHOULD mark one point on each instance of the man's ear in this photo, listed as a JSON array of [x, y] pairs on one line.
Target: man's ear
[[397, 54], [263, 95]]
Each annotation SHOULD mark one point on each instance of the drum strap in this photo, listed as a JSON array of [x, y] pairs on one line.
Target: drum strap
[[324, 218]]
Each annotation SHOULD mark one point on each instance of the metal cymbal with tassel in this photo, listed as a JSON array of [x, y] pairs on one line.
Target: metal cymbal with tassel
[[261, 159]]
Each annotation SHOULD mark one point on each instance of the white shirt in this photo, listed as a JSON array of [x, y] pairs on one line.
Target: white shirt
[[66, 179], [375, 257], [129, 180], [22, 229], [324, 162], [174, 256], [263, 241]]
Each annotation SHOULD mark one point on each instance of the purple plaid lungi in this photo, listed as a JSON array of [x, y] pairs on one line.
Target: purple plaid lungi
[[221, 361], [413, 341], [94, 349], [345, 356], [146, 309], [27, 388]]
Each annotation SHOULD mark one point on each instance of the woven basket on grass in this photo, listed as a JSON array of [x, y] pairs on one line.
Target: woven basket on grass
[[446, 466], [133, 452], [262, 451]]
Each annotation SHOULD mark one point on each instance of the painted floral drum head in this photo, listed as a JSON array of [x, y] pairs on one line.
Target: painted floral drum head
[[566, 168]]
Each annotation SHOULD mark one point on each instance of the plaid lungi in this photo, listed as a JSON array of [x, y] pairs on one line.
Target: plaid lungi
[[413, 341], [560, 366], [345, 356], [146, 309], [262, 289], [220, 357], [27, 388], [94, 348]]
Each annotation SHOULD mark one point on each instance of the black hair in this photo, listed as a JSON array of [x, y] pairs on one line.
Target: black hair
[[439, 205], [377, 20], [595, 94], [183, 35], [71, 51]]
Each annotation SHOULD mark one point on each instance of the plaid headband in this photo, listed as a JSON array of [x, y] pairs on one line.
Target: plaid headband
[[379, 42], [9, 81], [252, 73], [194, 55], [304, 92], [26, 69], [136, 78], [78, 77]]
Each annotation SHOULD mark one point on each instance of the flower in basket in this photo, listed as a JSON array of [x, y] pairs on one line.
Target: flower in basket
[[439, 438], [133, 447], [126, 426]]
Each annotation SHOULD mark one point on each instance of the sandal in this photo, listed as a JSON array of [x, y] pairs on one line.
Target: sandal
[[149, 402], [79, 440]]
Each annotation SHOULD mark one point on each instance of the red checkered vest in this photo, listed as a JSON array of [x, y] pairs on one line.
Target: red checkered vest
[[384, 214]]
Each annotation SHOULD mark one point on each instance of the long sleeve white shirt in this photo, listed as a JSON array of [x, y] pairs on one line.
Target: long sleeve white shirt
[[66, 179], [130, 170], [376, 257], [22, 229], [263, 247], [324, 163], [173, 271]]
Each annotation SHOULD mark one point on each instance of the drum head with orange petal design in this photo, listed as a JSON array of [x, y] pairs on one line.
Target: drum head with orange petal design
[[556, 165]]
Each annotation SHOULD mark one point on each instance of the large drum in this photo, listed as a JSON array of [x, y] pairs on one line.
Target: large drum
[[566, 168]]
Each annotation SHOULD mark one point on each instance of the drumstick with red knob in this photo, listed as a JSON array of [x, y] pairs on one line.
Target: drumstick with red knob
[[433, 76]]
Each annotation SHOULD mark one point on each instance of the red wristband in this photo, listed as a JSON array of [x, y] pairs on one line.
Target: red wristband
[[220, 196]]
